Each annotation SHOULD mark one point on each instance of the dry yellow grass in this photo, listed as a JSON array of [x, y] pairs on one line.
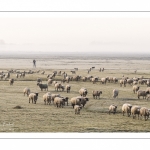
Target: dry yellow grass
[[17, 115]]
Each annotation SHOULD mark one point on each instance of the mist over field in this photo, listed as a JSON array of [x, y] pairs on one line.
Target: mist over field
[[74, 54]]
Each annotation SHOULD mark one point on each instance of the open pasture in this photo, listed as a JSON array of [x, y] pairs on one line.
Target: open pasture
[[18, 115]]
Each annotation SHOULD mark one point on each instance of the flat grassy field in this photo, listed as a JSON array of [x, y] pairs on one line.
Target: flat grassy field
[[93, 117]]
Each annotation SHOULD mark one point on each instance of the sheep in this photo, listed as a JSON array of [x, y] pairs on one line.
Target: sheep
[[141, 81], [68, 87], [115, 93], [84, 79], [75, 68], [75, 101], [17, 75], [83, 91], [130, 81], [59, 101], [23, 74], [62, 87], [135, 110], [65, 99], [103, 80], [96, 94], [148, 83], [148, 90], [110, 79], [141, 93], [11, 81], [112, 108], [126, 108], [144, 112], [67, 79], [53, 96], [83, 100], [54, 82], [135, 82], [95, 79], [33, 97], [123, 82], [47, 98], [148, 96], [76, 78], [42, 86], [49, 81], [26, 91], [115, 80], [42, 72], [77, 109], [57, 86], [135, 88], [73, 72]]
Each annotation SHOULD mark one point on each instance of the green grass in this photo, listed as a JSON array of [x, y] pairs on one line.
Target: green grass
[[47, 118]]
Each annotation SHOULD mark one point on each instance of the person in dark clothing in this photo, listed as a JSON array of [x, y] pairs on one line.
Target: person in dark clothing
[[34, 63]]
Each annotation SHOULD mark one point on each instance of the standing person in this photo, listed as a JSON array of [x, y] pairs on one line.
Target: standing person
[[34, 63]]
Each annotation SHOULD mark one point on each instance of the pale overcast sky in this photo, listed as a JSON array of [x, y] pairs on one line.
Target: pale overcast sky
[[75, 34]]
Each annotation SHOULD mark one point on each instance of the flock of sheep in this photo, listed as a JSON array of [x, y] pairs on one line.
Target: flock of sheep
[[79, 102]]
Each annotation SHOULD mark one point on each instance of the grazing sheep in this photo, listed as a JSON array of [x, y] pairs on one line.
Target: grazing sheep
[[67, 79], [17, 75], [84, 79], [42, 72], [42, 86], [62, 87], [112, 108], [1, 76], [83, 91], [103, 80], [130, 81], [126, 108], [47, 98], [135, 82], [59, 101], [95, 79], [141, 81], [115, 93], [115, 80], [141, 93], [49, 81], [23, 74], [148, 83], [75, 101], [135, 88], [77, 109], [26, 91], [53, 96], [110, 79], [123, 82], [33, 97], [135, 110], [144, 112], [11, 81], [83, 100], [148, 90], [73, 72], [54, 82], [76, 78], [68, 88], [135, 79], [148, 96], [57, 86], [96, 94], [65, 99]]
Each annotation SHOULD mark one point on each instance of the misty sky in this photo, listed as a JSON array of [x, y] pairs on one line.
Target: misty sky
[[93, 34]]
